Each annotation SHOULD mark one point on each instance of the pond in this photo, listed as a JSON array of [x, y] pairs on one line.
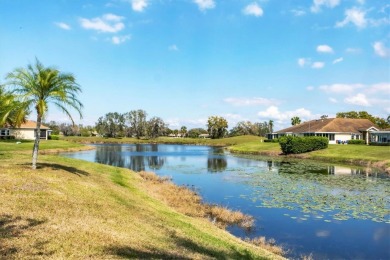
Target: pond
[[329, 211]]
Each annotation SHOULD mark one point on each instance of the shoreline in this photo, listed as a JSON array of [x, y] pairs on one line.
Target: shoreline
[[381, 165], [230, 143]]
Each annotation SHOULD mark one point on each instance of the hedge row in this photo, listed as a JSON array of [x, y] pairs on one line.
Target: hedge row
[[380, 144], [356, 142], [295, 144], [275, 140]]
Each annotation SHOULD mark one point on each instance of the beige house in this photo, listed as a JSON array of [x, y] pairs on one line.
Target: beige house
[[337, 130], [25, 131]]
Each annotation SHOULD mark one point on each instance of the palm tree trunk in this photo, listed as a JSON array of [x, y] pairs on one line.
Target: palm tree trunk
[[36, 143]]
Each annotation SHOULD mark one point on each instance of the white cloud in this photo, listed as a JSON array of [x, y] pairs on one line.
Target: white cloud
[[353, 50], [381, 50], [318, 4], [333, 100], [120, 39], [298, 12], [273, 112], [250, 101], [205, 4], [383, 87], [108, 23], [176, 123], [338, 60], [173, 47], [324, 49], [112, 18], [310, 88], [362, 2], [318, 65], [139, 5], [359, 99], [355, 16], [340, 88], [303, 61], [253, 9], [63, 26]]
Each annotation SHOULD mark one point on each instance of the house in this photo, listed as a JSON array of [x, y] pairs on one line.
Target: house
[[337, 130], [24, 131]]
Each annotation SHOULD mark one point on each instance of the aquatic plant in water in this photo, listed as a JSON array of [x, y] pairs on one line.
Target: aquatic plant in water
[[310, 189]]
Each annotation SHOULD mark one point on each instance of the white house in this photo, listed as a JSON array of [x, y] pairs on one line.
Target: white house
[[25, 131], [337, 130]]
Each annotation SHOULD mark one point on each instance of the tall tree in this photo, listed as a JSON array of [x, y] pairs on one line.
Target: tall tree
[[271, 126], [217, 127], [155, 127], [183, 131], [295, 120], [137, 123], [381, 122], [112, 124], [37, 86]]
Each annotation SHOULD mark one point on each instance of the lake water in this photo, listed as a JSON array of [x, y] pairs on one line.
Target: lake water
[[331, 212]]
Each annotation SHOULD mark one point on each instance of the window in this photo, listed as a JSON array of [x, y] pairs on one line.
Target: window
[[4, 132], [331, 137]]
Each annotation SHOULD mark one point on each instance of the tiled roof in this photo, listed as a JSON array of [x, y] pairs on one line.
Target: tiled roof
[[31, 125], [331, 125]]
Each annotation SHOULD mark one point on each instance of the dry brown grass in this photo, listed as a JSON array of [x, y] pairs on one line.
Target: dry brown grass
[[269, 244], [70, 209], [188, 202]]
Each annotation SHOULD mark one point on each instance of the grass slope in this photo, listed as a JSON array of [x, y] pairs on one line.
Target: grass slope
[[74, 209], [377, 156]]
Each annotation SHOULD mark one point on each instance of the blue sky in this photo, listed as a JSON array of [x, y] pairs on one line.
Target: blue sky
[[185, 60]]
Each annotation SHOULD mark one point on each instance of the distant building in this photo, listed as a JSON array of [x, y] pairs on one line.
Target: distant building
[[25, 131], [337, 130]]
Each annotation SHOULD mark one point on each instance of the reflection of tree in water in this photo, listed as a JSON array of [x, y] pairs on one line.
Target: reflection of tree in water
[[216, 164], [138, 162], [216, 161], [155, 162], [110, 155]]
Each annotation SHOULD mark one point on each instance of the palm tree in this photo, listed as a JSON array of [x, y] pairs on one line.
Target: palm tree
[[12, 112], [271, 126], [295, 120], [37, 86], [183, 131]]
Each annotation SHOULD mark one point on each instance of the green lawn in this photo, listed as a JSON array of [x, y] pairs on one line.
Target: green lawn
[[73, 209], [44, 145], [378, 156], [168, 140]]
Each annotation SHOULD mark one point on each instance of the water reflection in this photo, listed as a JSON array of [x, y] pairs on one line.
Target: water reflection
[[132, 157], [216, 164], [110, 155]]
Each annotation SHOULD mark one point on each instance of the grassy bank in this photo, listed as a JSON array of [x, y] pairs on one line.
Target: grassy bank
[[75, 209], [166, 140], [376, 156]]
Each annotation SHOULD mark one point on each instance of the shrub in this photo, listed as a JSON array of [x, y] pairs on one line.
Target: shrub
[[275, 140], [295, 145], [356, 142], [54, 137], [380, 144]]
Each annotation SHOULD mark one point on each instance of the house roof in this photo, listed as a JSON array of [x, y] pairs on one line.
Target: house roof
[[30, 125], [331, 125]]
